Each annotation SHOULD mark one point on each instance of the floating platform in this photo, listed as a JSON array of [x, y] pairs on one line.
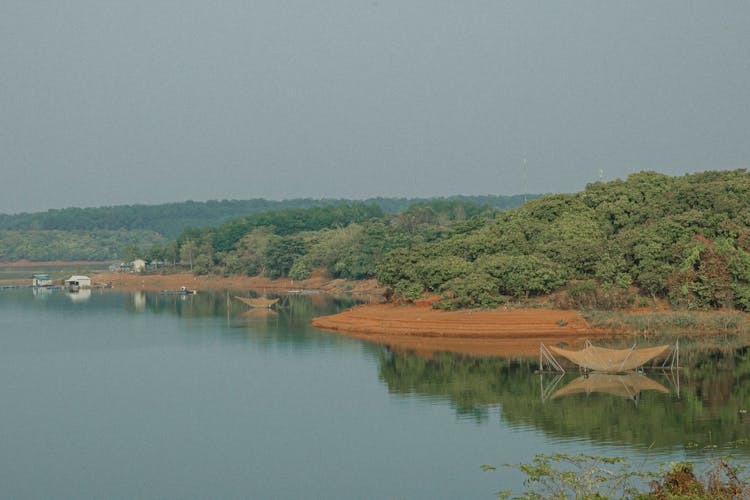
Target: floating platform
[[182, 291]]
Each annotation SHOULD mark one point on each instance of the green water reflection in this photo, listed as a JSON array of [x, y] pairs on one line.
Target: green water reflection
[[702, 410], [702, 407], [224, 304], [287, 322]]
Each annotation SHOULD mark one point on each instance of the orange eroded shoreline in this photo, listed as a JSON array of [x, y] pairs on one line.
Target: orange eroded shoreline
[[479, 332]]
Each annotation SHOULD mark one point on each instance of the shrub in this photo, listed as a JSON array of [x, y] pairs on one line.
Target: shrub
[[300, 270], [582, 294], [522, 275], [408, 290], [474, 290], [561, 476]]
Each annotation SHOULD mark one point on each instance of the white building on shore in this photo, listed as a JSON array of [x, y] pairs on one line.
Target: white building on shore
[[77, 282]]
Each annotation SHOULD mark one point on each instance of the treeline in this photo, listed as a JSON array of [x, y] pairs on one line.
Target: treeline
[[684, 238], [347, 241], [612, 245], [170, 219], [72, 245]]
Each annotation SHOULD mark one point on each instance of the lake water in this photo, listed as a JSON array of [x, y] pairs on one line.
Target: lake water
[[117, 395]]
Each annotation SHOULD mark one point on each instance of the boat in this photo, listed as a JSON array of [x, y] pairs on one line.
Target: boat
[[182, 291], [258, 302]]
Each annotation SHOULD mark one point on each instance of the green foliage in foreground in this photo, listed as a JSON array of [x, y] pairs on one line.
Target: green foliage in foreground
[[560, 476]]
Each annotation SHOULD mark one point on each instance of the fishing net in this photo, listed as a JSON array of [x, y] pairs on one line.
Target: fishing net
[[601, 359]]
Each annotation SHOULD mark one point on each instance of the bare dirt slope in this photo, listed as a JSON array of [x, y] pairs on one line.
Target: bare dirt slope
[[482, 332]]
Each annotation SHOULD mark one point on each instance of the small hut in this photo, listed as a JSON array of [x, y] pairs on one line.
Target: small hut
[[77, 282], [39, 280]]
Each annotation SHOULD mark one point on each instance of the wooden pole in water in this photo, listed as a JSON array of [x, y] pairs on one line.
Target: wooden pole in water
[[541, 368]]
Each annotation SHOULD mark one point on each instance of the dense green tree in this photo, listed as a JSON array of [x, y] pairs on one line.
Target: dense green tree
[[249, 256], [686, 238], [281, 254], [522, 275]]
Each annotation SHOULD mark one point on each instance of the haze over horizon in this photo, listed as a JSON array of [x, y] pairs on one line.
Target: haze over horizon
[[109, 103]]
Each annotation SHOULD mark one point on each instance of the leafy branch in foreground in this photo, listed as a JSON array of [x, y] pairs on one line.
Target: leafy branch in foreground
[[562, 476], [583, 477]]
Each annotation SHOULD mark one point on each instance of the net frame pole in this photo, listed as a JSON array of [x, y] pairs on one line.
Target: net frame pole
[[544, 354], [673, 357], [626, 357]]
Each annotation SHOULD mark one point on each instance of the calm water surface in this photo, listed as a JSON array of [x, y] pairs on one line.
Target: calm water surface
[[144, 396]]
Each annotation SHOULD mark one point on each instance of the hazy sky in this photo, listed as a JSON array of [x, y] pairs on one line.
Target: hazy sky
[[107, 103]]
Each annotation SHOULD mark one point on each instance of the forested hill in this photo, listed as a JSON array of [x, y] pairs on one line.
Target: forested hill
[[615, 244], [170, 219], [684, 238]]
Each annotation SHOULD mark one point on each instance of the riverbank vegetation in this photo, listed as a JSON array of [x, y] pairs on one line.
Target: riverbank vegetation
[[670, 323], [617, 244], [624, 244], [347, 241], [642, 242]]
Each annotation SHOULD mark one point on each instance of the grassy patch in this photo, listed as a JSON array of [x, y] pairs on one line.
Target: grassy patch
[[670, 323]]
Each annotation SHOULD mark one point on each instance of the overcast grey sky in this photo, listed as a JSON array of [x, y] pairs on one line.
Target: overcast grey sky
[[107, 103]]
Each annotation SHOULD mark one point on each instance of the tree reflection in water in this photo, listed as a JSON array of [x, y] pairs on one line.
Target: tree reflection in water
[[706, 411]]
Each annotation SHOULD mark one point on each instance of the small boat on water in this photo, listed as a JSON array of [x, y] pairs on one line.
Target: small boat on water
[[182, 291], [258, 302]]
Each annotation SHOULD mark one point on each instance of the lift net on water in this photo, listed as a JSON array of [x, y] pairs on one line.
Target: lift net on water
[[601, 359]]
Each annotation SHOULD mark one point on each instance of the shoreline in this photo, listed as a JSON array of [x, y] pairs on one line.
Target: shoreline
[[159, 282], [423, 330], [419, 328], [133, 282]]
